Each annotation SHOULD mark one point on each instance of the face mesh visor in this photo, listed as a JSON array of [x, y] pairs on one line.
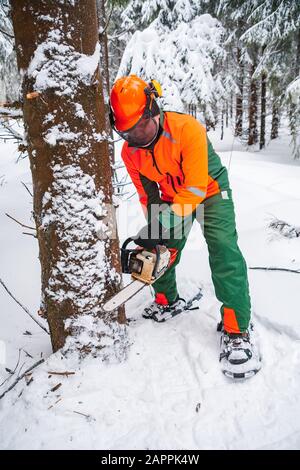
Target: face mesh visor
[[142, 133]]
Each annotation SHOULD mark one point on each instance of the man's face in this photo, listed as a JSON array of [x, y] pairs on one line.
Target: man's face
[[143, 133]]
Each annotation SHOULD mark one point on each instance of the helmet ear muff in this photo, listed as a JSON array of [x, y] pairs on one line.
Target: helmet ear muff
[[152, 91], [155, 88]]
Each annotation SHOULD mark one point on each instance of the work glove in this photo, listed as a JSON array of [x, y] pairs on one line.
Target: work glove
[[148, 238], [165, 225]]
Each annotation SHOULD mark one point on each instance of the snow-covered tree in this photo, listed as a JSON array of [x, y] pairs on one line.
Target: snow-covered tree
[[183, 60], [275, 26]]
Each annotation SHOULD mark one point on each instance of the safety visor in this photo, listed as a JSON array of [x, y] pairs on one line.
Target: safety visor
[[145, 130], [142, 133]]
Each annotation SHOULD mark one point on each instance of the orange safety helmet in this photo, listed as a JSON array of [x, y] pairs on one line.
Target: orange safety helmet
[[130, 99]]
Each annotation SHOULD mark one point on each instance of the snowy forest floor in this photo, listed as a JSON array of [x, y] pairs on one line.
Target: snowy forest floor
[[170, 394]]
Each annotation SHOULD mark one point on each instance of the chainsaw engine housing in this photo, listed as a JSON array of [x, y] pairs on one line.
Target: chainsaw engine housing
[[145, 265]]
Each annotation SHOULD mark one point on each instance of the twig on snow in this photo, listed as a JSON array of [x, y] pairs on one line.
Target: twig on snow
[[89, 417], [61, 373], [57, 401], [266, 268], [21, 377], [56, 387]]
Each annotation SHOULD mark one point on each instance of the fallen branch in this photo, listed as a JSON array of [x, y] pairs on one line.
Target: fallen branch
[[27, 353], [89, 417], [265, 268], [82, 414], [61, 373], [284, 228], [57, 401], [24, 308], [56, 387], [21, 377]]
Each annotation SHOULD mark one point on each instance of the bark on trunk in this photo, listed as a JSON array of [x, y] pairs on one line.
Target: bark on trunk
[[104, 70], [262, 140], [275, 120], [294, 109], [226, 115], [253, 134], [239, 96], [222, 124], [57, 50]]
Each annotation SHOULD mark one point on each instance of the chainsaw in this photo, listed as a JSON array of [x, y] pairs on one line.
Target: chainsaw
[[145, 267]]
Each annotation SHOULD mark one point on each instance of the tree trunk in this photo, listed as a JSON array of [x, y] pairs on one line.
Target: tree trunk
[[71, 172], [262, 140], [104, 70], [297, 63], [226, 114], [275, 120], [253, 134], [239, 96], [209, 124], [294, 112], [222, 123]]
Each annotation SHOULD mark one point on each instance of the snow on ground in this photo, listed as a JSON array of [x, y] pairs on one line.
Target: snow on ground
[[170, 394]]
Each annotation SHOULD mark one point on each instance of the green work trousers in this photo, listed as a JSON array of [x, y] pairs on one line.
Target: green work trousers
[[228, 267]]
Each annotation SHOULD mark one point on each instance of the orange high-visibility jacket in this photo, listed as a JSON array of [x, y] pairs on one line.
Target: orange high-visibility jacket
[[183, 167]]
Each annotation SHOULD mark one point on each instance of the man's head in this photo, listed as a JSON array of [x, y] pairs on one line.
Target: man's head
[[134, 111]]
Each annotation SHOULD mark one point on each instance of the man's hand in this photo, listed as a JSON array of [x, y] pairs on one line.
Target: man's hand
[[164, 225], [148, 238]]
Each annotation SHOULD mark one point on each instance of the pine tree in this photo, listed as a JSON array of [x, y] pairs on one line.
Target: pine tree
[[276, 27], [183, 58]]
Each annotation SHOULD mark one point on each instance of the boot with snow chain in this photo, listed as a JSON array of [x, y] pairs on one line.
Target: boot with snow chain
[[161, 312], [239, 354]]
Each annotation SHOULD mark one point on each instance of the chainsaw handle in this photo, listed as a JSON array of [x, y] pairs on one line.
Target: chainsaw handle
[[127, 241], [125, 255]]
